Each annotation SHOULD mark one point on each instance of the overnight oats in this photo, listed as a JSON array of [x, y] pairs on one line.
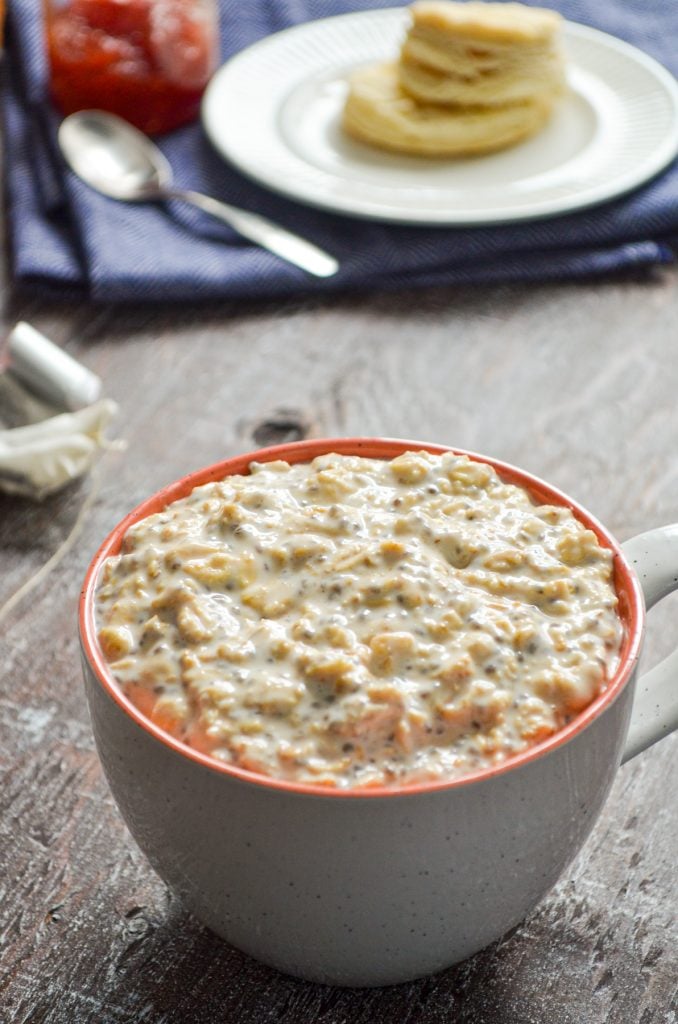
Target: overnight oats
[[357, 622]]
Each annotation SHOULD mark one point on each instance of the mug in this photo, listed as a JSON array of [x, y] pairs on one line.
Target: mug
[[371, 887]]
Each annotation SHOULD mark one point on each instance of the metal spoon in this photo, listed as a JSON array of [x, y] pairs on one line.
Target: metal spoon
[[111, 156]]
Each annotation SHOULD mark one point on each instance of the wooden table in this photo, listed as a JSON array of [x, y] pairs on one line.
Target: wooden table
[[576, 383]]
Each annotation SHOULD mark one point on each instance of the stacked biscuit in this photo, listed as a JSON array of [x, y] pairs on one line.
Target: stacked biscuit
[[472, 77]]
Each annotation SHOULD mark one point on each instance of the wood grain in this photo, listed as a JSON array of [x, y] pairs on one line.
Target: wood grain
[[576, 384]]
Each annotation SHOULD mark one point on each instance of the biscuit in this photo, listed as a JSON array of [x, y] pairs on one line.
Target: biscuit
[[509, 23], [380, 112], [487, 54]]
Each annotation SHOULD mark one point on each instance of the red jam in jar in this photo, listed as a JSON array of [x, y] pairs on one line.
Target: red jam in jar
[[145, 60]]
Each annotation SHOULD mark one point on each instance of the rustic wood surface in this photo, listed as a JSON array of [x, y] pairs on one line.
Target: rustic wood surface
[[576, 383]]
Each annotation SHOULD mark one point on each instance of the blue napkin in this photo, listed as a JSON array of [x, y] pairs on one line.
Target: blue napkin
[[66, 238]]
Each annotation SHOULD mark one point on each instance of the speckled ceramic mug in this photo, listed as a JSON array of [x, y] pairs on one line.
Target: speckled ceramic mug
[[372, 887]]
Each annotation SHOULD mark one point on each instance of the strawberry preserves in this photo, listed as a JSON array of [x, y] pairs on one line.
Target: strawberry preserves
[[145, 60]]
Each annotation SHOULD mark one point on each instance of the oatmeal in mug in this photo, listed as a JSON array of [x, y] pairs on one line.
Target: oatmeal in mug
[[355, 622]]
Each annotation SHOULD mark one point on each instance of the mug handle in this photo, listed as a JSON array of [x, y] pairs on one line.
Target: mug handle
[[654, 556]]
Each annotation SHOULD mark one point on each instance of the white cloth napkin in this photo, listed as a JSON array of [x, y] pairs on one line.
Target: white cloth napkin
[[40, 459]]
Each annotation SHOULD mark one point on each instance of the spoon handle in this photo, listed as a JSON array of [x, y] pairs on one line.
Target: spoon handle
[[264, 232]]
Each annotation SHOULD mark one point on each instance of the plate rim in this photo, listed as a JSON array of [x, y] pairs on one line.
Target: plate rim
[[661, 156]]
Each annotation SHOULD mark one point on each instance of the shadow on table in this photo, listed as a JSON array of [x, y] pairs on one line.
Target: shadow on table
[[180, 972]]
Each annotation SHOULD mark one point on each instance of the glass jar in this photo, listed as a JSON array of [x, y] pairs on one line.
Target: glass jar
[[145, 60]]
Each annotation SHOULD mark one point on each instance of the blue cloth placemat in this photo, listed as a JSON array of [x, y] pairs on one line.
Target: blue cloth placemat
[[66, 238]]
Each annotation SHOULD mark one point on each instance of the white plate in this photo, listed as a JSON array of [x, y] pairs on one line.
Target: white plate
[[273, 111]]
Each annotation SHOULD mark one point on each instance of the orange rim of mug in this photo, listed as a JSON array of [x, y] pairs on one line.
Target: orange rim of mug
[[631, 608]]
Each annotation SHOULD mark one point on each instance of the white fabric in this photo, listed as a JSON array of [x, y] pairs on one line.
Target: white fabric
[[42, 458]]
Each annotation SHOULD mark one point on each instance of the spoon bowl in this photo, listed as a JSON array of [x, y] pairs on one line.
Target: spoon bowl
[[114, 158]]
